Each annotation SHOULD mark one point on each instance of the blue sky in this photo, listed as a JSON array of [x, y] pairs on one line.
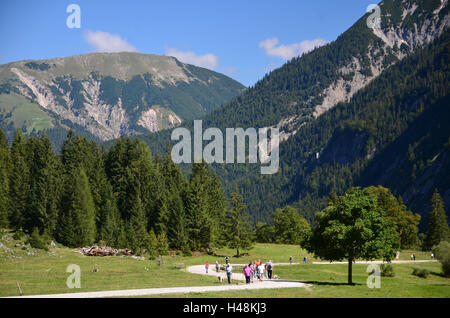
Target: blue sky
[[242, 39]]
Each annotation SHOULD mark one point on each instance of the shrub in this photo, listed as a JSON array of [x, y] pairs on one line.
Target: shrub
[[18, 235], [186, 250], [37, 241], [442, 253], [421, 272], [162, 245], [387, 270]]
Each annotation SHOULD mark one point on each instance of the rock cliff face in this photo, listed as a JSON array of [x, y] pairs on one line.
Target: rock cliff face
[[114, 94], [400, 34]]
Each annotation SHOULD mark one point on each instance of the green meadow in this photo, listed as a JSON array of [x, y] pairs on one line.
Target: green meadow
[[44, 272], [24, 112]]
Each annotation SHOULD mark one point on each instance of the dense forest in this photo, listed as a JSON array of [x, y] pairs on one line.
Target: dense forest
[[127, 198], [123, 197]]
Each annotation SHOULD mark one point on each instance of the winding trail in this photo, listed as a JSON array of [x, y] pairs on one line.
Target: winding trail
[[196, 269], [200, 269]]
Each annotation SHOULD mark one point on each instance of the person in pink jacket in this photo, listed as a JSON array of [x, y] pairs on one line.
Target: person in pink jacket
[[247, 274]]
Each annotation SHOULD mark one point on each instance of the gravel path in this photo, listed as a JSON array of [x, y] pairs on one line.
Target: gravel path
[[200, 269], [172, 290]]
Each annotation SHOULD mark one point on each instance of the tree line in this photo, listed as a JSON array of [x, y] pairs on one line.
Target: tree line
[[127, 198], [123, 197]]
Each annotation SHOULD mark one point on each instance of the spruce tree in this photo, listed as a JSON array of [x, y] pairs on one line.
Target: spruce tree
[[44, 193], [217, 209], [438, 229], [175, 184], [108, 217], [151, 245], [137, 225], [199, 224], [162, 244], [19, 181], [77, 222], [78, 152], [5, 167], [238, 232], [128, 165], [176, 227]]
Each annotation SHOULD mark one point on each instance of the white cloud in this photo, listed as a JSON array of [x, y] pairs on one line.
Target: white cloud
[[207, 61], [106, 42], [289, 51]]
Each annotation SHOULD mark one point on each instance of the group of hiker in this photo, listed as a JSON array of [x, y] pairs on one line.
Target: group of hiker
[[255, 270]]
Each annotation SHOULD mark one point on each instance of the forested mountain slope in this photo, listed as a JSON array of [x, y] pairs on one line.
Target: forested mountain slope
[[355, 103]]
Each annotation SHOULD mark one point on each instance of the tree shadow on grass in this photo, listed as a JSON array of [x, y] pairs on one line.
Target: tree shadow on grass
[[438, 274], [313, 282]]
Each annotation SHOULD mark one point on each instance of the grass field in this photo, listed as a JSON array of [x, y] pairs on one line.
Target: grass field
[[45, 273], [331, 281], [24, 112]]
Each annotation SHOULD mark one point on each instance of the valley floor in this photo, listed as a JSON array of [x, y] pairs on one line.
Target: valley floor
[[40, 273]]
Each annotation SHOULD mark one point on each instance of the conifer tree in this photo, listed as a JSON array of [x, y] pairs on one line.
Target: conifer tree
[[199, 224], [238, 232], [151, 244], [19, 181], [438, 229], [162, 244], [176, 184], [176, 227], [108, 217], [44, 193], [217, 209], [137, 224], [77, 222], [5, 166]]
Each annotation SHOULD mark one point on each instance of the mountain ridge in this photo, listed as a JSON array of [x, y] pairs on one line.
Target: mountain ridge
[[113, 94]]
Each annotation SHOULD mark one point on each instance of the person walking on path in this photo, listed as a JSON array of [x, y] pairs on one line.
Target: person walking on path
[[217, 266], [269, 269], [252, 271], [305, 259], [247, 274], [206, 267], [414, 256], [261, 272], [290, 260], [265, 270], [229, 272]]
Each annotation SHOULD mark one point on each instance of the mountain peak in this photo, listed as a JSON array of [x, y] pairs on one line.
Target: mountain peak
[[111, 94]]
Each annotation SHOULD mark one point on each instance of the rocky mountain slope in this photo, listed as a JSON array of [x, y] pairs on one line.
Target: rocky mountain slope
[[108, 94]]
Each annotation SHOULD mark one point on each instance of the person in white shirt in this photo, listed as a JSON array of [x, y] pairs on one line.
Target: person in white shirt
[[229, 272], [261, 271]]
